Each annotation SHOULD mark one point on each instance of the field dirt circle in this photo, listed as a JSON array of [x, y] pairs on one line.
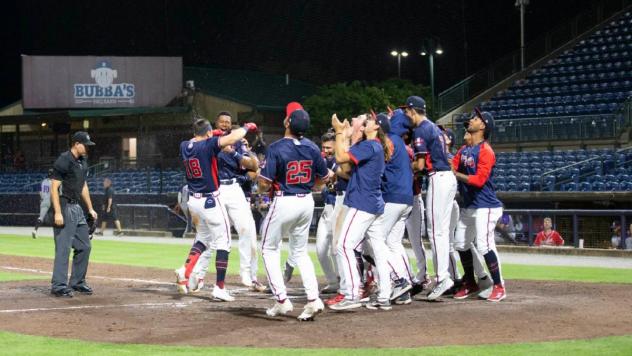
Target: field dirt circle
[[141, 305]]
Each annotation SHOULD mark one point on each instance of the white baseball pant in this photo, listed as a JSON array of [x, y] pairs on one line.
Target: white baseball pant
[[323, 245], [454, 255], [356, 224], [415, 227], [240, 215], [337, 219], [289, 216], [439, 200], [475, 232], [213, 228], [395, 216], [44, 207]]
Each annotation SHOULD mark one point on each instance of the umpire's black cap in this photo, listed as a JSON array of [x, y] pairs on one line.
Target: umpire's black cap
[[82, 137]]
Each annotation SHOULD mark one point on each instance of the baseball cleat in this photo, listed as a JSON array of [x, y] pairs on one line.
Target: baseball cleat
[[404, 299], [401, 286], [378, 304], [485, 286], [335, 299], [34, 234], [280, 308], [246, 281], [222, 294], [196, 283], [498, 294], [181, 281], [287, 273], [440, 288], [330, 289], [467, 289], [258, 287], [346, 304], [367, 291], [311, 310]]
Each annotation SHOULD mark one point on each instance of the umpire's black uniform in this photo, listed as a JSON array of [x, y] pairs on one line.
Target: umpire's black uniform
[[71, 170]]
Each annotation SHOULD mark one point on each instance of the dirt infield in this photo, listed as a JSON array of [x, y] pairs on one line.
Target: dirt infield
[[140, 305]]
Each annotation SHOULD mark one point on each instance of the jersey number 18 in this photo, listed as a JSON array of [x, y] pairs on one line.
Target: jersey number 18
[[193, 168]]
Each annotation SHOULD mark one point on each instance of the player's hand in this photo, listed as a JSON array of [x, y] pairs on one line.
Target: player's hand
[[93, 213], [218, 132], [59, 219], [250, 127], [336, 124]]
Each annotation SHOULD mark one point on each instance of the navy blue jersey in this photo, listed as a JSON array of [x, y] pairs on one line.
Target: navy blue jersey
[[397, 181], [364, 191], [478, 163], [341, 183], [229, 166], [293, 165], [428, 140], [200, 162]]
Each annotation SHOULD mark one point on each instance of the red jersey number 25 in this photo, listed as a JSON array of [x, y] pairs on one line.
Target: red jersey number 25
[[299, 172], [193, 168]]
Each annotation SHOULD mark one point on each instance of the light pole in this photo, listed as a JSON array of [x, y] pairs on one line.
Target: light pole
[[521, 4], [399, 56], [431, 48]]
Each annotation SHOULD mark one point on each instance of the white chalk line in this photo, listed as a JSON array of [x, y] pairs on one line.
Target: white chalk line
[[136, 305]]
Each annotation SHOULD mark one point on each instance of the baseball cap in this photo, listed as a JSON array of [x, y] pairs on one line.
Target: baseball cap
[[384, 122], [414, 102], [291, 107], [299, 122], [82, 137], [448, 132]]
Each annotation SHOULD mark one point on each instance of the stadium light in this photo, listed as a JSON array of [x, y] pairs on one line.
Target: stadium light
[[399, 56], [430, 48]]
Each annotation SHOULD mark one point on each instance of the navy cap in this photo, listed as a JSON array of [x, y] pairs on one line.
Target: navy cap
[[415, 102], [82, 137], [486, 117], [449, 133], [299, 122], [384, 122], [400, 123]]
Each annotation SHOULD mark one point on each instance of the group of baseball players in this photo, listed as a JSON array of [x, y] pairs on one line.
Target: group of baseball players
[[370, 171]]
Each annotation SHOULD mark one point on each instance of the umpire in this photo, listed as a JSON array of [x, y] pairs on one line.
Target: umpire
[[71, 229]]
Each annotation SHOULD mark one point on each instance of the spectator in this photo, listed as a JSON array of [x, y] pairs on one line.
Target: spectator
[[548, 236], [109, 209], [615, 240], [628, 240], [259, 145]]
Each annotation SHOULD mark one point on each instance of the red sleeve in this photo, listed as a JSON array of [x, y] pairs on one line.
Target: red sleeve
[[486, 161], [538, 239], [353, 159], [557, 238]]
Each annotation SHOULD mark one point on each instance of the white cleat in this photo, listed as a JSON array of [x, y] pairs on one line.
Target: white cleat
[[222, 294], [181, 281], [246, 281], [196, 283], [440, 288], [280, 308], [311, 310], [34, 234], [485, 287]]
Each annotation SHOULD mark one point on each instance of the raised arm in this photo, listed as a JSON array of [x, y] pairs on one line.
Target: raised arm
[[342, 140], [237, 134]]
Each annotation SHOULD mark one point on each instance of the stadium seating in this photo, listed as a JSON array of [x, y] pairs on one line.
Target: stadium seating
[[577, 94]]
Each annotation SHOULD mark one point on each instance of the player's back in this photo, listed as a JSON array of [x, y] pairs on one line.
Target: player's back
[[200, 163], [428, 139], [293, 164]]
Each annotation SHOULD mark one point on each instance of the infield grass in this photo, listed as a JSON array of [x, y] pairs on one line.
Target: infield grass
[[37, 345], [169, 256]]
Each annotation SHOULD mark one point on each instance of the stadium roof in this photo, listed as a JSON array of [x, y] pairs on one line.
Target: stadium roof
[[263, 91]]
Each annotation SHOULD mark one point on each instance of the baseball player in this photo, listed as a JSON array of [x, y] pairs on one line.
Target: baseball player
[[431, 155], [397, 192], [364, 216], [44, 202], [292, 166], [474, 167], [199, 155], [325, 225]]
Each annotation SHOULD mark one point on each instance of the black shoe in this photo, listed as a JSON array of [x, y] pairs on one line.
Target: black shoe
[[416, 289], [84, 289], [64, 293]]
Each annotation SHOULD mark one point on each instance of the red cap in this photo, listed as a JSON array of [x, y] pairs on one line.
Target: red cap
[[291, 107]]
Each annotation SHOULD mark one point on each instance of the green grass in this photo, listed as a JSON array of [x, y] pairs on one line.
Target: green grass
[[171, 256], [37, 345], [10, 276]]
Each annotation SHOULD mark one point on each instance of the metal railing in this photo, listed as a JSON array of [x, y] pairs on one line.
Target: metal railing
[[484, 79]]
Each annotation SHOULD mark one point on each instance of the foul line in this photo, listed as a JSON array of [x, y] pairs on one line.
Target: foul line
[[141, 305]]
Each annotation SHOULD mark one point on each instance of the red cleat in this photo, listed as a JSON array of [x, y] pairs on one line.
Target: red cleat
[[498, 293], [335, 299], [466, 290]]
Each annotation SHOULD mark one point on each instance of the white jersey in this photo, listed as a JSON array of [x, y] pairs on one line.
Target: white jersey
[[45, 188]]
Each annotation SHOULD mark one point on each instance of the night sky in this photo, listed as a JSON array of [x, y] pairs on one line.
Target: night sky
[[317, 41]]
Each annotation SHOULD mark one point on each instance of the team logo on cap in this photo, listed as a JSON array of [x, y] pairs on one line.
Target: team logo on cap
[[104, 90]]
